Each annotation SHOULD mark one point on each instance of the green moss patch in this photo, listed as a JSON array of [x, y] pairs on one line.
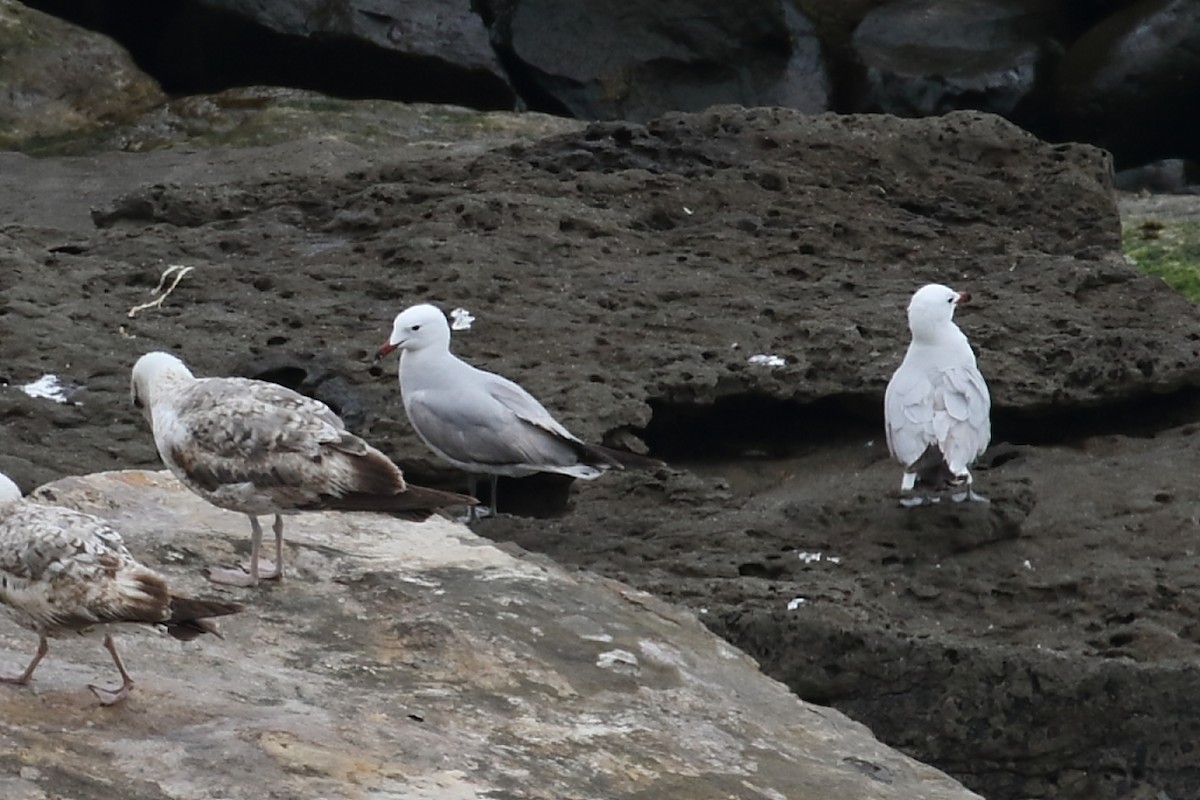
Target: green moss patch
[[1169, 249]]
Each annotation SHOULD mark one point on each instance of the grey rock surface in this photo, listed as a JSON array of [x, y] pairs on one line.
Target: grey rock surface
[[417, 661], [613, 59]]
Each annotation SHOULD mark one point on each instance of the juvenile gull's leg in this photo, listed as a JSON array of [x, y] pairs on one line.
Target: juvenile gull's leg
[[277, 573], [270, 570], [110, 697], [23, 678], [239, 576]]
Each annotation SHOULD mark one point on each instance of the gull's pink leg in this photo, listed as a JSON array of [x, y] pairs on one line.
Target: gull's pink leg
[[23, 678], [240, 576], [110, 697]]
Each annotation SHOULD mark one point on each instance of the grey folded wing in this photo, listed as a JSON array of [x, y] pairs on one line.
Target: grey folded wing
[[500, 425]]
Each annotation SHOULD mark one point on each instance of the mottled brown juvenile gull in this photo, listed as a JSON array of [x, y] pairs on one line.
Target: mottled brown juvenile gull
[[260, 448], [937, 405], [62, 571], [479, 421]]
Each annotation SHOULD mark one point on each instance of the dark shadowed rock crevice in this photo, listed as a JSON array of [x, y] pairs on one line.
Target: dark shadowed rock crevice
[[605, 60], [1136, 70]]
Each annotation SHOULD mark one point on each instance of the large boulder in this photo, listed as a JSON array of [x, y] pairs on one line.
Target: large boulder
[[60, 80], [925, 57], [433, 51], [440, 42], [416, 661], [1129, 84], [616, 59], [742, 232]]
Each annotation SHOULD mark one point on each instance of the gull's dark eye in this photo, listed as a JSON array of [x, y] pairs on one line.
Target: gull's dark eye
[[415, 328], [949, 299], [137, 402]]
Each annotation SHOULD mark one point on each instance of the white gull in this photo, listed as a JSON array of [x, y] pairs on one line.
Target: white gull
[[937, 406]]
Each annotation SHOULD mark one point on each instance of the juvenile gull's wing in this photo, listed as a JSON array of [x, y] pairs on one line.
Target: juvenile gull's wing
[[61, 569], [228, 431]]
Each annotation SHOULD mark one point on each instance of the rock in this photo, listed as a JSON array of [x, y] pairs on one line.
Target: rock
[[924, 57], [60, 80], [627, 274], [774, 214], [442, 42], [416, 661], [435, 50], [602, 59], [256, 116], [835, 20], [443, 30], [615, 60], [1168, 175], [1129, 83]]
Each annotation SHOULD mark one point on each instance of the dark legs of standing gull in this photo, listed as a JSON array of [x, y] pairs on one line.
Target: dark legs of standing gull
[[250, 576], [472, 485], [23, 678], [910, 500], [110, 696]]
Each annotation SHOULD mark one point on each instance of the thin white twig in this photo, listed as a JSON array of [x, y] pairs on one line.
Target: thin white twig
[[179, 270]]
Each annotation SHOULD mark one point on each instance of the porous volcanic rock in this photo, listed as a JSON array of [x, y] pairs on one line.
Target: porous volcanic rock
[[626, 274]]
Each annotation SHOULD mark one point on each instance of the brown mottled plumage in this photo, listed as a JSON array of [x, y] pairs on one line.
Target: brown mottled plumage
[[63, 571], [260, 448]]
